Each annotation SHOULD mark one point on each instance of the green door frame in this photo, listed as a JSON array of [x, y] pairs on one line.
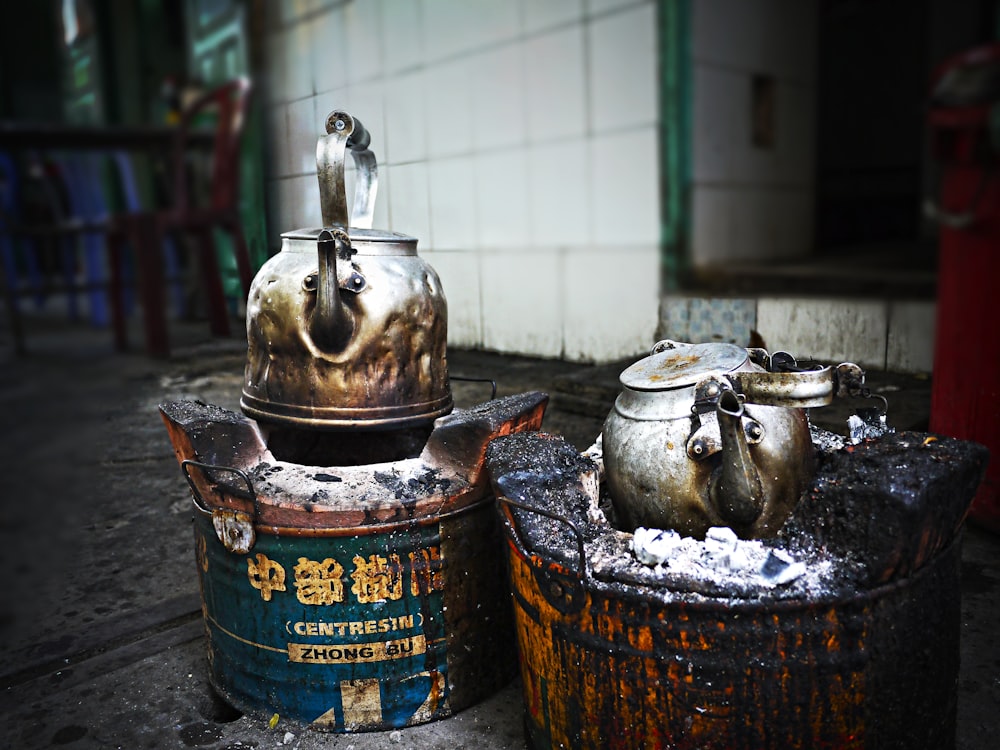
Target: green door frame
[[674, 43]]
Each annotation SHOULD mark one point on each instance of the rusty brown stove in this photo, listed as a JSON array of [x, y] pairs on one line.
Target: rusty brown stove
[[859, 651]]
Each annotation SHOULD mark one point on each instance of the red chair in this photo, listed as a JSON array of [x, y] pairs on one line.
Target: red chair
[[145, 231]]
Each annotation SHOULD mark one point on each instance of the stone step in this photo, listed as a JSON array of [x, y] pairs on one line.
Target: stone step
[[895, 335]]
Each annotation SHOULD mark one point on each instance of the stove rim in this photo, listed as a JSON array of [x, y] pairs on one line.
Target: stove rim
[[610, 587], [345, 419]]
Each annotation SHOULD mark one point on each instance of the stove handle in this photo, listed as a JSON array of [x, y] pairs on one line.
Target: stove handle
[[563, 589], [581, 570], [234, 526]]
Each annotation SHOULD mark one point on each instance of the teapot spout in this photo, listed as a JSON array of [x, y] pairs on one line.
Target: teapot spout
[[736, 489], [331, 323]]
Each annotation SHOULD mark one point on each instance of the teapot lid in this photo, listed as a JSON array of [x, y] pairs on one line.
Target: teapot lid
[[682, 365], [363, 241], [366, 235]]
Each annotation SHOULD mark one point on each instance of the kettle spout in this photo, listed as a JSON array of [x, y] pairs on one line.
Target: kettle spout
[[736, 489], [331, 324]]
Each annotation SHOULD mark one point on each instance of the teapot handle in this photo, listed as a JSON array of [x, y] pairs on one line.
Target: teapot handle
[[800, 390], [346, 132]]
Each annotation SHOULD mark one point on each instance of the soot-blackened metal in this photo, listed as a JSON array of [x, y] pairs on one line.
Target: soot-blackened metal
[[615, 655]]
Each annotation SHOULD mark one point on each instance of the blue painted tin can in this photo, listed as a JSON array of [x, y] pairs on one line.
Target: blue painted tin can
[[351, 598], [358, 628]]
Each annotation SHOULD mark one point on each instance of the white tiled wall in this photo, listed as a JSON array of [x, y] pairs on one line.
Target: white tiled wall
[[910, 345], [517, 140], [884, 335], [830, 330], [896, 336], [752, 202]]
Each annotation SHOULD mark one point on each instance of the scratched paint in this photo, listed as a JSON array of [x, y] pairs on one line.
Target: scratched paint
[[630, 671], [356, 633]]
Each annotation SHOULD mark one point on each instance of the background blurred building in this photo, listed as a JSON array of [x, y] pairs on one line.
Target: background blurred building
[[585, 175]]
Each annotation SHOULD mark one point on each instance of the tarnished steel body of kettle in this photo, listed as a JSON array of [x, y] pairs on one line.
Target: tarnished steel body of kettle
[[705, 435], [346, 326]]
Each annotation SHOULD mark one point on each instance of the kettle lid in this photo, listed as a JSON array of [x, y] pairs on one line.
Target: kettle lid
[[354, 233], [682, 365]]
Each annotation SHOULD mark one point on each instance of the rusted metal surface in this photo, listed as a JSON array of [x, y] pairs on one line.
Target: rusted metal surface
[[346, 327], [303, 500], [380, 628], [351, 598], [615, 658]]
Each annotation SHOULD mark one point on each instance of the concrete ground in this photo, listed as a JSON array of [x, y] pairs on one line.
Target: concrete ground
[[100, 621]]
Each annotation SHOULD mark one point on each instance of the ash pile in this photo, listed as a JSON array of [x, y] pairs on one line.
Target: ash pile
[[874, 511]]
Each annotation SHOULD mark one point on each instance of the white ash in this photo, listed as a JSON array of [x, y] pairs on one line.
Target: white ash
[[380, 485], [720, 557], [779, 568], [825, 441], [654, 546], [863, 427], [596, 454]]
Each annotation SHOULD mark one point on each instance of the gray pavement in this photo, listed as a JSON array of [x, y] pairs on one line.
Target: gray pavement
[[100, 622]]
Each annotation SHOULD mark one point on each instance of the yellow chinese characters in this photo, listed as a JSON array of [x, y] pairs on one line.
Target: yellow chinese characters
[[265, 575], [374, 578], [319, 583], [377, 578]]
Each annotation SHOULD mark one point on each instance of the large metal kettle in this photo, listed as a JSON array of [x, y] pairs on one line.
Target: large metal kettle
[[346, 326], [706, 435]]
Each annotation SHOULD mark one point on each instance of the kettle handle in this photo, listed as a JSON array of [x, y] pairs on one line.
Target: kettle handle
[[794, 389], [346, 132], [801, 388]]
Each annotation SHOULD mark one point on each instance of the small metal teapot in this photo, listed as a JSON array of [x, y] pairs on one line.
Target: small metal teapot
[[706, 435], [347, 327]]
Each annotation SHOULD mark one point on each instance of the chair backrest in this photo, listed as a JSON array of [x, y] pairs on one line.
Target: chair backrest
[[231, 102]]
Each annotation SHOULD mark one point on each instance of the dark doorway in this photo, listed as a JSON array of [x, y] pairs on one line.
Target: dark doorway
[[875, 62]]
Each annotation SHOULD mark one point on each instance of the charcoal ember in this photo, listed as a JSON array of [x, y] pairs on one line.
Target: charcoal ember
[[654, 546], [889, 504], [213, 434], [721, 544], [867, 424], [547, 473], [459, 439]]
